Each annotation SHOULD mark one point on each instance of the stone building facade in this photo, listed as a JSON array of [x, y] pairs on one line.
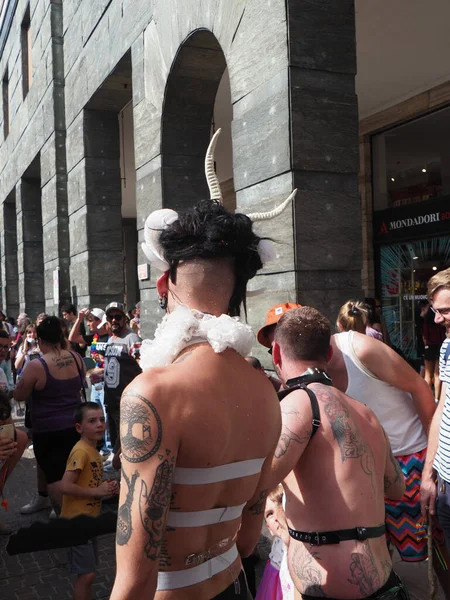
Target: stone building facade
[[71, 67]]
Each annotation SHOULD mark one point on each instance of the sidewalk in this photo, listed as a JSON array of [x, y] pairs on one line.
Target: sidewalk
[[44, 575]]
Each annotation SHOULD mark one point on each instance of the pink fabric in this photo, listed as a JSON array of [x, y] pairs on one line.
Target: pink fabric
[[270, 587]]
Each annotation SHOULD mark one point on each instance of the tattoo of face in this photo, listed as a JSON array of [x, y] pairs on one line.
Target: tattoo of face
[[124, 526], [140, 427], [364, 572], [287, 436], [258, 507], [307, 571], [154, 506]]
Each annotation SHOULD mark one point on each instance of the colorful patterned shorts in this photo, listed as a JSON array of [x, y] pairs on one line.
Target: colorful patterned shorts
[[404, 523]]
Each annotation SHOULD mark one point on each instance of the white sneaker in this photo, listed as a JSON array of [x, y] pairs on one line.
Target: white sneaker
[[37, 503]]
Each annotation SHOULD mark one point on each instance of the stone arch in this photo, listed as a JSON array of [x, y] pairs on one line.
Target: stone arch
[[187, 118]]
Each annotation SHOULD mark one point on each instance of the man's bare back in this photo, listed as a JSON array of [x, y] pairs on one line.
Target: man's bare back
[[336, 466], [339, 483], [209, 409]]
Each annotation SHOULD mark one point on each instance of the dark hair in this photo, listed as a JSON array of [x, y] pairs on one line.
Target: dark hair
[[210, 231], [50, 331], [81, 410], [4, 333], [5, 406], [254, 362], [11, 321], [304, 334], [69, 308]]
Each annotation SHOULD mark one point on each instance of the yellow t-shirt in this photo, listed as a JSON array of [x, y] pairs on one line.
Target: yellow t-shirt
[[86, 459]]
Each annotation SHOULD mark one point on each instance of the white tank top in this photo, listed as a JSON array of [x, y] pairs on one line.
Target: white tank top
[[394, 408]]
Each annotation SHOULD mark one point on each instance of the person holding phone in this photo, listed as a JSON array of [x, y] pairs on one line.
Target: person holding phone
[[28, 350], [12, 445]]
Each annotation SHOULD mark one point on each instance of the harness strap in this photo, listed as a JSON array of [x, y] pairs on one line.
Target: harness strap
[[316, 422], [324, 538]]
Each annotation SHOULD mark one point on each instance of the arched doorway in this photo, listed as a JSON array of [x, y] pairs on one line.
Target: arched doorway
[[197, 101]]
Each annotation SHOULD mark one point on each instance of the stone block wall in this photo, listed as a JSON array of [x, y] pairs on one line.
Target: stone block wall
[[291, 67]]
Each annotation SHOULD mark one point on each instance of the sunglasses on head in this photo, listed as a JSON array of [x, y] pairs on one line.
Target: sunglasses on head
[[115, 317]]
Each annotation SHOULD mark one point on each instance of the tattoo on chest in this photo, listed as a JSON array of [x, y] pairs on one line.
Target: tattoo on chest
[[364, 572], [124, 526], [154, 506], [307, 571], [140, 427]]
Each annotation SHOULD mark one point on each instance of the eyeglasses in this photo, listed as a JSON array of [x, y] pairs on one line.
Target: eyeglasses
[[442, 312], [4, 347], [116, 317]]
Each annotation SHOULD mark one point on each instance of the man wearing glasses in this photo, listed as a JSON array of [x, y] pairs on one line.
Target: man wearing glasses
[[121, 366], [438, 456]]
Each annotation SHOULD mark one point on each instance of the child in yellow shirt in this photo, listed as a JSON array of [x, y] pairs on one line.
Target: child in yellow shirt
[[83, 489]]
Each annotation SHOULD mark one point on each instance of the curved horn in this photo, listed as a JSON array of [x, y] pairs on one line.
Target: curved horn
[[211, 177], [273, 213]]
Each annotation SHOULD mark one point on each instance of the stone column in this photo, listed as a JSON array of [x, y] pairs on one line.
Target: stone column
[[29, 247], [8, 251], [325, 161], [94, 199]]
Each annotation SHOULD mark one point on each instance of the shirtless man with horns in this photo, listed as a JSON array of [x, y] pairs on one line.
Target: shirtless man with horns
[[195, 464]]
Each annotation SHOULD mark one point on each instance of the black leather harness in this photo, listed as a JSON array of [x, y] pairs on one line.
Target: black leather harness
[[323, 538]]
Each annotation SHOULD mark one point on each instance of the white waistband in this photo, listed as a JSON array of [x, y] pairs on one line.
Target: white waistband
[[172, 580], [204, 517], [192, 476]]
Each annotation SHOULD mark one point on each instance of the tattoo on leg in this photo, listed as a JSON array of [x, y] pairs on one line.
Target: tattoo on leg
[[307, 571], [154, 507], [363, 571], [140, 427], [258, 507], [124, 525]]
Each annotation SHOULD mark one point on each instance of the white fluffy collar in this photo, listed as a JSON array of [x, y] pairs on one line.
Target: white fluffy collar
[[184, 327]]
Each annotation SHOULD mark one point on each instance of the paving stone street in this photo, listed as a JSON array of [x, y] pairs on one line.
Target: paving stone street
[[44, 575]]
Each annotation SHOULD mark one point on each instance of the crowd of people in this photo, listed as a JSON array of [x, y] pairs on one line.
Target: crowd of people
[[338, 450]]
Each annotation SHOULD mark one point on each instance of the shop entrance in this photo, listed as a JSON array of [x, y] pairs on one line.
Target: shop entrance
[[405, 269]]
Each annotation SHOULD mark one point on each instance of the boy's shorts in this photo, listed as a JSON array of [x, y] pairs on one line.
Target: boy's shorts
[[83, 559]]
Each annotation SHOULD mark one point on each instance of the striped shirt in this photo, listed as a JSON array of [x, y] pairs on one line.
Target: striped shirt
[[442, 460]]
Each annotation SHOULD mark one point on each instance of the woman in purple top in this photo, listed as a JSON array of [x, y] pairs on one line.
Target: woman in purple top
[[54, 384]]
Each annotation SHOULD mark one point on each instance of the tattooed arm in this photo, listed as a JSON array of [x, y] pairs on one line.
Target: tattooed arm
[[253, 513], [296, 417], [394, 481], [149, 449]]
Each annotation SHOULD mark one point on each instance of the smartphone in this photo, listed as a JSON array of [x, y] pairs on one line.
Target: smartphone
[[7, 432]]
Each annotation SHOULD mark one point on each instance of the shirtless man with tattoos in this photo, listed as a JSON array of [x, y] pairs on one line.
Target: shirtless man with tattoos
[[336, 466], [200, 426]]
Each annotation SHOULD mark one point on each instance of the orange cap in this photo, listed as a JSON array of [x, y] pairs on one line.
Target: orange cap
[[274, 314]]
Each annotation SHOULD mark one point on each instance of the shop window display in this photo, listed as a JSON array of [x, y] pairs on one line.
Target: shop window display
[[405, 269]]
